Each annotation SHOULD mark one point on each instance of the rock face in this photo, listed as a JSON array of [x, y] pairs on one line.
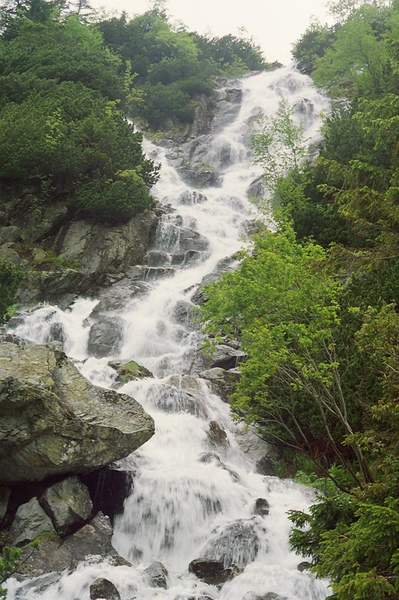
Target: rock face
[[104, 248], [212, 572], [68, 504], [262, 507], [53, 421], [55, 554], [102, 589], [221, 381], [227, 357], [157, 575], [30, 522], [105, 337], [235, 544]]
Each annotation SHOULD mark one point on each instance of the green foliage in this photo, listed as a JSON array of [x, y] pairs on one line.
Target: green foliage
[[174, 66], [312, 46], [62, 130], [114, 200], [316, 308], [279, 147], [9, 558]]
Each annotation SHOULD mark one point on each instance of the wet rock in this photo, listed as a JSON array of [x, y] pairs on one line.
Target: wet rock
[[120, 294], [184, 312], [175, 399], [191, 198], [227, 357], [30, 521], [212, 572], [129, 371], [55, 554], [212, 458], [53, 421], [5, 494], [56, 333], [192, 240], [222, 381], [157, 575], [68, 504], [105, 337], [108, 488], [38, 586], [153, 273], [217, 435], [61, 287], [265, 466], [156, 258], [262, 507], [304, 566], [234, 544], [103, 589], [103, 248]]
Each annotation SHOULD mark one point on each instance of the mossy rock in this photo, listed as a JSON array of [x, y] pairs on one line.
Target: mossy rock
[[129, 371]]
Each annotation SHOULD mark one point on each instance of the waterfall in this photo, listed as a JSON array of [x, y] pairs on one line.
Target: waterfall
[[190, 499]]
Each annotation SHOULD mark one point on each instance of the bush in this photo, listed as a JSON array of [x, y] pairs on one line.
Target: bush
[[114, 201]]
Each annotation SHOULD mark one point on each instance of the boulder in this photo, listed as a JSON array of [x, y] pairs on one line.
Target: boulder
[[175, 398], [221, 381], [68, 504], [211, 571], [107, 248], [227, 357], [156, 575], [5, 494], [262, 507], [217, 435], [304, 566], [102, 589], [184, 312], [56, 554], [105, 337], [30, 522], [236, 543], [266, 466], [129, 371], [53, 421]]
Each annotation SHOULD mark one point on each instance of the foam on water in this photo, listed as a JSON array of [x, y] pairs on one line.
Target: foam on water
[[182, 502]]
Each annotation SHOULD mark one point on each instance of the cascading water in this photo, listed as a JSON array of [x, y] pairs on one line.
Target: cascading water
[[191, 499]]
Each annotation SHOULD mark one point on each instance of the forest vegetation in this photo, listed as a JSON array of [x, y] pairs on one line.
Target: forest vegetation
[[315, 305], [72, 82]]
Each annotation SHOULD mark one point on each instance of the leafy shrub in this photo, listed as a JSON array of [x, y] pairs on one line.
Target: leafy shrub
[[113, 201]]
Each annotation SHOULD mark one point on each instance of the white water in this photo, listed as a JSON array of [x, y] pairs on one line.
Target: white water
[[179, 504]]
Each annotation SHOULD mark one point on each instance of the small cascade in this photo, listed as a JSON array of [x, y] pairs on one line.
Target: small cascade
[[196, 492]]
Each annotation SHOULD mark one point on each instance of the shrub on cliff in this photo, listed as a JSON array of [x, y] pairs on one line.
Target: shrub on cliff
[[113, 201]]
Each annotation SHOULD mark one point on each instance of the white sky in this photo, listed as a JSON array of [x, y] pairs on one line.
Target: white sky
[[274, 24]]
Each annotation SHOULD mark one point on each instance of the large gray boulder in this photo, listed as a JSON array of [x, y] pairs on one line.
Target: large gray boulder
[[105, 337], [156, 575], [236, 543], [53, 421], [68, 504], [103, 589], [30, 522], [107, 248], [55, 554]]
